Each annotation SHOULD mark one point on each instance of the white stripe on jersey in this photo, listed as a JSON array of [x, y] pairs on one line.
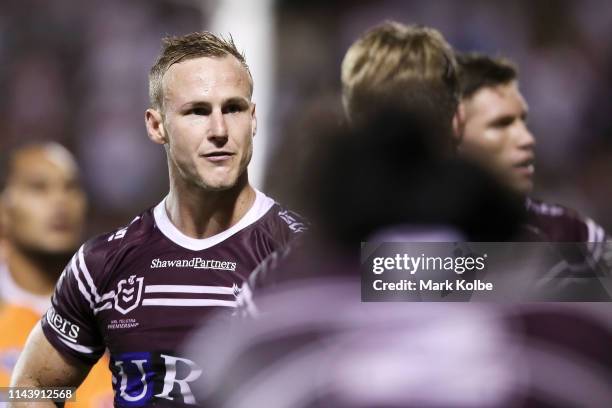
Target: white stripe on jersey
[[79, 348], [222, 290], [188, 302], [105, 306], [106, 296], [595, 239], [88, 278], [75, 273], [592, 228]]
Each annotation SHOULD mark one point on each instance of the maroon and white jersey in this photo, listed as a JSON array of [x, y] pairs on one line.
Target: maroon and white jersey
[[556, 223], [141, 291], [585, 251]]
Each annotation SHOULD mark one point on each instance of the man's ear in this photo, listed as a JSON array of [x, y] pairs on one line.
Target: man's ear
[[459, 123], [253, 121], [155, 126]]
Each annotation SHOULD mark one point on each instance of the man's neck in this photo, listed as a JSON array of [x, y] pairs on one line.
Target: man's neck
[[34, 273], [200, 213]]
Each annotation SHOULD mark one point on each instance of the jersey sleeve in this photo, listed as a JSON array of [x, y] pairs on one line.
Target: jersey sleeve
[[70, 323]]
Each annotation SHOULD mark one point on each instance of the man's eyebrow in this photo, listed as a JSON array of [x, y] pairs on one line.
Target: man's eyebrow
[[501, 120], [236, 100], [233, 100], [195, 104]]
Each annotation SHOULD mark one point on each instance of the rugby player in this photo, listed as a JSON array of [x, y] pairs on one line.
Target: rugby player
[[411, 68], [311, 323], [42, 207], [494, 131], [141, 289], [400, 91]]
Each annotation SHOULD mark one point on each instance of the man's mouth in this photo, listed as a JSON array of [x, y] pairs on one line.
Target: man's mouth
[[218, 156], [526, 166]]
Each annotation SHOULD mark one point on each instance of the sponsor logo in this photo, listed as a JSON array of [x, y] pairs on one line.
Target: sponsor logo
[[129, 292], [62, 325], [141, 376], [197, 263]]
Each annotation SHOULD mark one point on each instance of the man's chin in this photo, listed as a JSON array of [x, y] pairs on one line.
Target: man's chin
[[217, 186], [51, 255], [522, 187]]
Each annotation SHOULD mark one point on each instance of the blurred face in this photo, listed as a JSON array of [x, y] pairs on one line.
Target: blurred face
[[496, 134], [43, 205], [208, 121]]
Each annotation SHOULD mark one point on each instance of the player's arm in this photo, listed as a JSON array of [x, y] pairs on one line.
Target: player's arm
[[61, 349], [41, 365]]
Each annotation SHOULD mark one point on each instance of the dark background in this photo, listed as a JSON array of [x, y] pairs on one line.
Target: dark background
[[76, 72]]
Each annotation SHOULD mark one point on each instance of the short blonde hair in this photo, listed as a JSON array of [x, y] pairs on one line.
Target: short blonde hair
[[397, 60], [194, 45]]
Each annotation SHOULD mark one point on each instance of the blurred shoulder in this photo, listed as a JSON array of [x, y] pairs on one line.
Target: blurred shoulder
[[558, 223]]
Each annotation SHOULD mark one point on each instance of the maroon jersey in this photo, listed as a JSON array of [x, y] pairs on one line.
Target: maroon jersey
[[141, 290], [555, 223]]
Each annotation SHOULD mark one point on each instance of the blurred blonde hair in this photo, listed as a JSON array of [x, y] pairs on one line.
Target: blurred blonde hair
[[403, 62]]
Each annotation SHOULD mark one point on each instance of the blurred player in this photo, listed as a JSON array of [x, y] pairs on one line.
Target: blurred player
[[141, 289], [42, 208], [495, 133], [411, 68], [400, 91], [313, 343]]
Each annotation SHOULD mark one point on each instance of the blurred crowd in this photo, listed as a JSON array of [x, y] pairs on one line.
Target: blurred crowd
[[74, 72]]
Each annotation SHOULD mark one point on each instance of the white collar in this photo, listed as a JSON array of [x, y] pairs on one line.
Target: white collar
[[260, 206]]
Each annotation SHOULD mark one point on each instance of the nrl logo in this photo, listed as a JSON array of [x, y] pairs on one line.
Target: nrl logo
[[128, 294]]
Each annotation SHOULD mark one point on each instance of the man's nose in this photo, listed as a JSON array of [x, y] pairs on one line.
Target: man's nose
[[525, 139], [218, 127]]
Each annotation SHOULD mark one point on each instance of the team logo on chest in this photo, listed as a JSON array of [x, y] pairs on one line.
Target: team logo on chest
[[129, 292]]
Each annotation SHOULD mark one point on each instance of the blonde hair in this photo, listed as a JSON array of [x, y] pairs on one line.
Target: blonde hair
[[194, 45], [397, 60]]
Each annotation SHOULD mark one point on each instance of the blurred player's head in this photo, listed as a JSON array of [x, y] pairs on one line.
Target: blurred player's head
[[391, 168], [42, 203], [494, 128], [201, 111], [411, 67]]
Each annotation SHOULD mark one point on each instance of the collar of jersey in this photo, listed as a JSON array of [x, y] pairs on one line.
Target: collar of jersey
[[260, 207]]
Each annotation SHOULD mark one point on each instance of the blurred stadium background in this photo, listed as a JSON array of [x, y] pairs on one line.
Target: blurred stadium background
[[75, 71]]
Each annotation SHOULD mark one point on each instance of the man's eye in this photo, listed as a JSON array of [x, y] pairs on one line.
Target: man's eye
[[233, 108], [37, 186], [199, 111], [502, 123]]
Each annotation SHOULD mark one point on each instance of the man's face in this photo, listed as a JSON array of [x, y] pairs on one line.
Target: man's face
[[495, 133], [209, 121], [43, 203]]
